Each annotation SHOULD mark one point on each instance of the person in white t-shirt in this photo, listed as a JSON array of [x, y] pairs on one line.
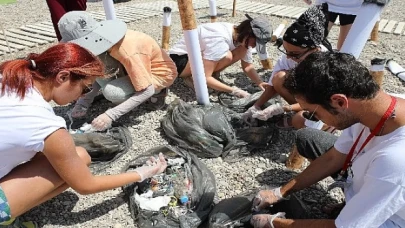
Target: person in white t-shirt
[[346, 10], [303, 37], [38, 158], [368, 158], [223, 44]]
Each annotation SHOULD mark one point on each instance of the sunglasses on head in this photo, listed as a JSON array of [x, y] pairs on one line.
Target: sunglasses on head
[[311, 116]]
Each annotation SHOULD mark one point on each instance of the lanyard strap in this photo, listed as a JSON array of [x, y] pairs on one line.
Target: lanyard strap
[[376, 130]]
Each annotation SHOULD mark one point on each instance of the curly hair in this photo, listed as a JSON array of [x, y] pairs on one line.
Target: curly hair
[[323, 74]]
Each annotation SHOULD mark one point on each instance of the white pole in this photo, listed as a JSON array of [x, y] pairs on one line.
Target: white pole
[[213, 10], [109, 9], [194, 50], [367, 16], [278, 31]]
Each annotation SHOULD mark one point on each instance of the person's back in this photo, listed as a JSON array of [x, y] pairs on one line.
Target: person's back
[[25, 125], [152, 58], [215, 40]]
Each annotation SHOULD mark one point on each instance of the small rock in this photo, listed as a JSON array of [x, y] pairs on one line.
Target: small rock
[[262, 166], [221, 195], [258, 170], [117, 225]]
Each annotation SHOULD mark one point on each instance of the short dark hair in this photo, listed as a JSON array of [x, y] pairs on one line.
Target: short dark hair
[[322, 74], [243, 30]]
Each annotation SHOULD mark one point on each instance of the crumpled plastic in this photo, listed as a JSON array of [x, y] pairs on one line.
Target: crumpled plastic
[[203, 130]]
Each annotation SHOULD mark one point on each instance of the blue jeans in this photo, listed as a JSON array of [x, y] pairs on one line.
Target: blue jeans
[[5, 214]]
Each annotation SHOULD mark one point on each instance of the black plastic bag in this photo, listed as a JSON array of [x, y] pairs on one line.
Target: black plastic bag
[[240, 105], [105, 147], [237, 211], [202, 196], [203, 130]]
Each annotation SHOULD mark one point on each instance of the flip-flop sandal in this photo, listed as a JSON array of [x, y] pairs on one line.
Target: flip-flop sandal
[[283, 123]]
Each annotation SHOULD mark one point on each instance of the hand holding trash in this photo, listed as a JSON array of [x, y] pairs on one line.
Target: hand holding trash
[[239, 92], [265, 220], [102, 122], [269, 112], [265, 198], [247, 116], [152, 167]]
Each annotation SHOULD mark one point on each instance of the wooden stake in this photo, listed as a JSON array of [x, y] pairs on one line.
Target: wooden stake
[[187, 15], [165, 37], [374, 32], [234, 8]]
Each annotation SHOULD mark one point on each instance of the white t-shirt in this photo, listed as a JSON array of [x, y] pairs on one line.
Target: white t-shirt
[[376, 197], [24, 125], [284, 63], [350, 7], [215, 41]]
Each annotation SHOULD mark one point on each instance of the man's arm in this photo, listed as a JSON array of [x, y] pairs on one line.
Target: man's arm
[[303, 223], [324, 166]]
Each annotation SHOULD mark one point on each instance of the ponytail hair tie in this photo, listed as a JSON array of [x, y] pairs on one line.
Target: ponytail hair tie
[[33, 64]]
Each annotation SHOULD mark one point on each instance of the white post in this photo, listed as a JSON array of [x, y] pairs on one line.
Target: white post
[[278, 31], [360, 31], [194, 50], [109, 9], [213, 10]]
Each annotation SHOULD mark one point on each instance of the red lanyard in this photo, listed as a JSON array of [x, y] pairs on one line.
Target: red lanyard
[[376, 130]]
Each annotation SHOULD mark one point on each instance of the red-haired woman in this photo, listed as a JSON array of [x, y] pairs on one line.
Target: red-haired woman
[[36, 152]]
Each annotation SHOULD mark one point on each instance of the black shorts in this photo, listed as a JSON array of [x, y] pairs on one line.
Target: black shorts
[[180, 61], [345, 19]]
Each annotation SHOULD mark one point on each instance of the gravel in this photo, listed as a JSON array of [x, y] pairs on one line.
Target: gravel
[[109, 209]]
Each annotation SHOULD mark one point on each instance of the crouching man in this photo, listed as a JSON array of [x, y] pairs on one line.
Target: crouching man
[[368, 157]]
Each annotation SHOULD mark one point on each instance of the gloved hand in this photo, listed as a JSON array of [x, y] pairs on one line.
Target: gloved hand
[[247, 116], [265, 198], [239, 92], [264, 220], [269, 112], [152, 167], [102, 122]]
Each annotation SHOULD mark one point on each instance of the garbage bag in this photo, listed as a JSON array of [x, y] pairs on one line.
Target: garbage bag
[[240, 105], [237, 211], [201, 196], [105, 146], [203, 130]]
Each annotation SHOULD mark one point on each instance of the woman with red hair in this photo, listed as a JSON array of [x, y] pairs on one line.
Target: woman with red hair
[[36, 151]]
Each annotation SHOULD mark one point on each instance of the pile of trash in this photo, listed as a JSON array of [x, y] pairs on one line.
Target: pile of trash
[[182, 196]]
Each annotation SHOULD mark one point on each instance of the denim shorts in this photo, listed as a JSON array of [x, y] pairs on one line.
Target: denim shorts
[[4, 207]]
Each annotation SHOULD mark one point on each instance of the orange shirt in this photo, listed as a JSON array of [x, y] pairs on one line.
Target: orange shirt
[[145, 62]]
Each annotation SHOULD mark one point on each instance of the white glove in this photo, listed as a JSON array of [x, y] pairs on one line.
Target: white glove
[[152, 167], [239, 92], [269, 112], [265, 198], [102, 122], [247, 116], [263, 220]]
